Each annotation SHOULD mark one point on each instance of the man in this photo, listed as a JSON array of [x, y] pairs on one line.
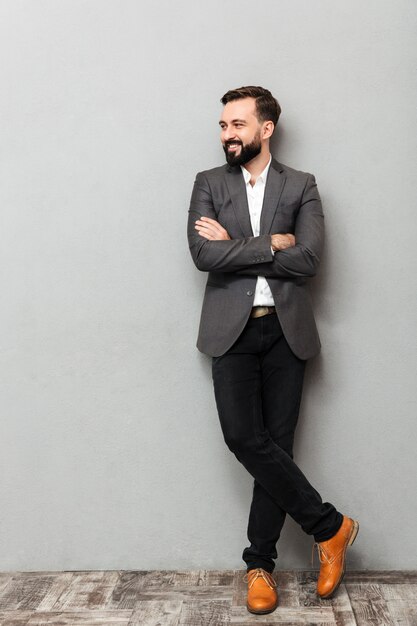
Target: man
[[256, 227]]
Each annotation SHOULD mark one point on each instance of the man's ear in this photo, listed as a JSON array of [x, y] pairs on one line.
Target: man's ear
[[268, 129]]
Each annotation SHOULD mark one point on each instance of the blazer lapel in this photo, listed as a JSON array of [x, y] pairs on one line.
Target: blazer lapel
[[273, 189], [237, 190]]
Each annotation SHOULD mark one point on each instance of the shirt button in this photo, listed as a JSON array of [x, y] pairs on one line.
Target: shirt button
[[249, 293]]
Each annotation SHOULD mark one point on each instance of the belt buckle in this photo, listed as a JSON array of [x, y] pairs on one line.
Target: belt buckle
[[259, 311]]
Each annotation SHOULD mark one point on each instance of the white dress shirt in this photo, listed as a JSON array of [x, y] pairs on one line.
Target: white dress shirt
[[263, 295]]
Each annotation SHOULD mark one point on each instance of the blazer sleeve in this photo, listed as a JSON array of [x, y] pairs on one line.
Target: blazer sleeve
[[226, 255], [303, 259]]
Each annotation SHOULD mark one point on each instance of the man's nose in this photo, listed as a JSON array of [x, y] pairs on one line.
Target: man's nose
[[229, 134]]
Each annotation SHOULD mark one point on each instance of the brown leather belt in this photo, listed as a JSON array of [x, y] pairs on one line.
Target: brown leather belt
[[260, 311]]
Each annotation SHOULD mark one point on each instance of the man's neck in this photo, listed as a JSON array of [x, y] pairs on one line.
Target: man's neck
[[257, 165]]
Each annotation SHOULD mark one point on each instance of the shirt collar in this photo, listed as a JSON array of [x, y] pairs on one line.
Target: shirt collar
[[262, 176]]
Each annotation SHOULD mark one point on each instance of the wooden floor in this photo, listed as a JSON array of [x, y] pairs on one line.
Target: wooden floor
[[201, 598]]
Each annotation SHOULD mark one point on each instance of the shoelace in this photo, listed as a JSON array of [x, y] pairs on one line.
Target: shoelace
[[252, 575], [321, 554], [323, 557]]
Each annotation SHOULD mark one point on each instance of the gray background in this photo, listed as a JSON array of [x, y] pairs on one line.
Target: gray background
[[110, 449]]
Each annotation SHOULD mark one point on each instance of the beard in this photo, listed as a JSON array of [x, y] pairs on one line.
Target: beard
[[247, 152]]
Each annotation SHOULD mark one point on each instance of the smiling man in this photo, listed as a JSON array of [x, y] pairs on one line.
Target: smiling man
[[256, 226]]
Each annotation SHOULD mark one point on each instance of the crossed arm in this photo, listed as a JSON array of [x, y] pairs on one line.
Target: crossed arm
[[213, 231], [295, 255]]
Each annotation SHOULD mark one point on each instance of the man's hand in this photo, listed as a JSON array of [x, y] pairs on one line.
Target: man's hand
[[210, 229], [282, 242]]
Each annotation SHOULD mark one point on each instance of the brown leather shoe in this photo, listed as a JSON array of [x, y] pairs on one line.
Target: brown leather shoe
[[262, 593], [332, 555]]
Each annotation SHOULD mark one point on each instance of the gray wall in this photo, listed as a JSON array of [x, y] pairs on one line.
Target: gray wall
[[111, 452]]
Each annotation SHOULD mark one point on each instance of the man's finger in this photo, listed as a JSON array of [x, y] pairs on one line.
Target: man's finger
[[212, 228], [213, 224], [207, 234], [209, 220], [209, 229]]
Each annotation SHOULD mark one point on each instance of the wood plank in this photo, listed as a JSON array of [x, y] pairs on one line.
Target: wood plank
[[393, 577], [85, 618], [5, 579], [60, 583], [401, 601], [402, 613], [186, 593], [405, 592], [25, 591], [157, 578], [15, 618], [87, 590], [288, 588], [203, 613], [135, 585], [239, 589], [284, 615], [183, 578], [342, 608], [127, 587], [188, 577], [272, 621], [219, 578], [369, 605], [156, 613]]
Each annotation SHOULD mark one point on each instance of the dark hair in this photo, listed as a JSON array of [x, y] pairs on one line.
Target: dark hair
[[267, 107]]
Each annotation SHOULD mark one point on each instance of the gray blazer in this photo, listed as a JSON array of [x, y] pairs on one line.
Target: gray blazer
[[291, 205]]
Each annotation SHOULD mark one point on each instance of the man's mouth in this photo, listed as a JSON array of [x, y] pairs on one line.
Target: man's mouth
[[233, 146]]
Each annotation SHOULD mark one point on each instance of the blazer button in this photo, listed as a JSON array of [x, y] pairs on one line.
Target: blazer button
[[249, 293]]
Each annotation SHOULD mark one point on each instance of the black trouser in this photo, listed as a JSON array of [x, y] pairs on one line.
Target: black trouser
[[258, 385]]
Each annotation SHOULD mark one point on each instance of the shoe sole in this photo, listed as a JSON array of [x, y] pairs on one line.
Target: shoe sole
[[262, 612], [352, 538]]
